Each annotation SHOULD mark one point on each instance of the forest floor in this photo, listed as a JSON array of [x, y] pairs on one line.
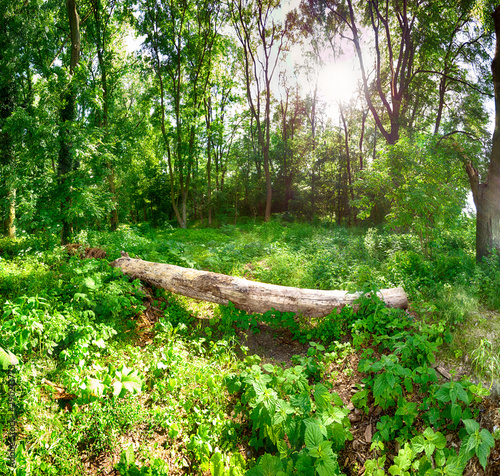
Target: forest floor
[[185, 352], [278, 347], [453, 362]]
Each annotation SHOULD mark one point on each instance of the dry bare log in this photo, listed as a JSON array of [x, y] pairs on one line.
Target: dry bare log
[[250, 296]]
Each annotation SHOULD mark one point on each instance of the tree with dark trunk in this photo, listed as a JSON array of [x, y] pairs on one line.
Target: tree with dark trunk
[[101, 42], [66, 160]]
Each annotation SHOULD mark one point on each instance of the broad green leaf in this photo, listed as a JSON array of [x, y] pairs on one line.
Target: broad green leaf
[[470, 443], [456, 413], [327, 465], [440, 458], [259, 388], [304, 464], [443, 394], [487, 437], [322, 397], [268, 368], [418, 444], [94, 386], [338, 435], [462, 394], [483, 450], [379, 386], [270, 465], [283, 449], [313, 436], [216, 465], [471, 426], [454, 466], [126, 380], [132, 383], [439, 440], [302, 401], [404, 458]]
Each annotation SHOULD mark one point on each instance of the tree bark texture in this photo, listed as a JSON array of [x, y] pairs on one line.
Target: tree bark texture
[[250, 296], [487, 195]]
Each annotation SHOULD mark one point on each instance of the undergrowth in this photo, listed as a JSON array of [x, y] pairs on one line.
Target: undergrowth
[[183, 396]]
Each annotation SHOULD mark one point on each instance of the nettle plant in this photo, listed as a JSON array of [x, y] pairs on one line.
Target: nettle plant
[[305, 424], [405, 386], [427, 454], [327, 329]]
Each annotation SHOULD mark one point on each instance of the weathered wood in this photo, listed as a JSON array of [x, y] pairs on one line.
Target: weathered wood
[[250, 296]]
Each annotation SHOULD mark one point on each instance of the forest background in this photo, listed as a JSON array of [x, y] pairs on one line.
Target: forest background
[[212, 121]]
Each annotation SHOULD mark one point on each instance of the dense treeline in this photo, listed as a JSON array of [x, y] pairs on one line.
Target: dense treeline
[[207, 121]]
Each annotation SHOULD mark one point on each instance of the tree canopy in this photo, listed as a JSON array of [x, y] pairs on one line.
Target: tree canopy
[[217, 114]]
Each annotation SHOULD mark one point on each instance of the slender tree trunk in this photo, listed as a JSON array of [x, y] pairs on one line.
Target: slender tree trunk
[[361, 138], [487, 195], [8, 93], [66, 164], [442, 92], [10, 221], [208, 121], [7, 160], [350, 193], [101, 48], [269, 188]]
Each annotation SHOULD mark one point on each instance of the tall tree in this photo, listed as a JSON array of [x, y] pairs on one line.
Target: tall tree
[[486, 195], [17, 24], [181, 37], [263, 41], [392, 24], [67, 162], [419, 51], [7, 105], [220, 130], [101, 32]]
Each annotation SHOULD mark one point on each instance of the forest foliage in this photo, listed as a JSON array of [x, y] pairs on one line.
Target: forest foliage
[[196, 133], [208, 119]]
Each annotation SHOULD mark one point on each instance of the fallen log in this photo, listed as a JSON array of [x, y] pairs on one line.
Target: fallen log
[[250, 296]]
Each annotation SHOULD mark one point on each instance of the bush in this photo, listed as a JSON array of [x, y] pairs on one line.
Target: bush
[[488, 280]]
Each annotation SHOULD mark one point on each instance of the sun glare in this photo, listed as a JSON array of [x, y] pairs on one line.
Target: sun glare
[[338, 82]]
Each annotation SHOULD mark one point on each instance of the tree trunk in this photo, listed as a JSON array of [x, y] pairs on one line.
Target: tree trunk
[[101, 50], [7, 93], [66, 163], [487, 195], [250, 296], [10, 222]]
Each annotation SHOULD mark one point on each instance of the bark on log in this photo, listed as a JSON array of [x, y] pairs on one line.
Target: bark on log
[[250, 296]]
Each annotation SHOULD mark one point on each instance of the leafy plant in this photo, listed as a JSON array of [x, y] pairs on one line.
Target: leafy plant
[[7, 359], [305, 424], [128, 467], [485, 360], [110, 382], [475, 441]]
